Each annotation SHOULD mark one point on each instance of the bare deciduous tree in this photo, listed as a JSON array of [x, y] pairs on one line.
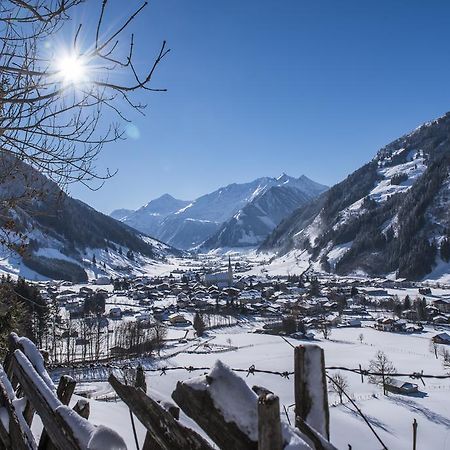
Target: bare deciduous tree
[[445, 357], [325, 328], [52, 100], [159, 332], [338, 383], [434, 347], [383, 367]]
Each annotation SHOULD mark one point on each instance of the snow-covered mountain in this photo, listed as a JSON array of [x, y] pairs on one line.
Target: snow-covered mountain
[[61, 235], [186, 225], [149, 218], [254, 222], [391, 216]]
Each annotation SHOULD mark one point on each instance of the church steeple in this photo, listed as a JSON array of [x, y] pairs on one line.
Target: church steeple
[[230, 272]]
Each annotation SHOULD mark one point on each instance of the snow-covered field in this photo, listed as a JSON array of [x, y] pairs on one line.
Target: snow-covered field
[[391, 415]]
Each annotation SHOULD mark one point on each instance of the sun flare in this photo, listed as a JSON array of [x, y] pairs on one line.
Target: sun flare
[[72, 69]]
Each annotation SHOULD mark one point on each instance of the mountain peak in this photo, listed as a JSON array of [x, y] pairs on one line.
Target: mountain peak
[[166, 196], [283, 178]]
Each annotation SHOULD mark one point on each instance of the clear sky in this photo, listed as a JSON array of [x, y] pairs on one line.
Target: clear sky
[[261, 87]]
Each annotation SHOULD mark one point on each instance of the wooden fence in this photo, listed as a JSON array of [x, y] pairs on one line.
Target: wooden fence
[[230, 414]]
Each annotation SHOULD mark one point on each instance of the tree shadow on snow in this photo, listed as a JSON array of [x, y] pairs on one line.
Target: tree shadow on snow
[[413, 406], [373, 420]]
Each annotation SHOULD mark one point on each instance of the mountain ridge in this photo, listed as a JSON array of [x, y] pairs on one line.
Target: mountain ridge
[[198, 220], [63, 235], [388, 217]]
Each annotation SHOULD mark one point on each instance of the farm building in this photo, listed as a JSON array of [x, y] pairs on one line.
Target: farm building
[[441, 338], [401, 387]]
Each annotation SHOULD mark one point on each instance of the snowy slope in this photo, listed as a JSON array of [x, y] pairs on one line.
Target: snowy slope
[[61, 234], [253, 223], [391, 416], [391, 215]]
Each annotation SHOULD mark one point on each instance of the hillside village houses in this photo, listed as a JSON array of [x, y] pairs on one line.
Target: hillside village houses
[[224, 297]]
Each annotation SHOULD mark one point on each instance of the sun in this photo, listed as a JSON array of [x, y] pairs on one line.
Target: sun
[[72, 69]]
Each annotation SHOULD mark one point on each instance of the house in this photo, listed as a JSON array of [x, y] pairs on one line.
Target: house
[[309, 336], [143, 316], [442, 304], [410, 314], [350, 323], [177, 318], [441, 319], [115, 313], [385, 324], [401, 387], [139, 295], [441, 338], [85, 291]]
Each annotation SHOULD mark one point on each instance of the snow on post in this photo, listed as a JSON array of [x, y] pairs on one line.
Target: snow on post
[[33, 354], [269, 424], [64, 426], [13, 427], [164, 431], [227, 410], [311, 397]]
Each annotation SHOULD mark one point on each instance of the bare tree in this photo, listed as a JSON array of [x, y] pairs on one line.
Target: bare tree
[[338, 383], [52, 99], [325, 328], [434, 347], [445, 357], [159, 334], [383, 367], [361, 338]]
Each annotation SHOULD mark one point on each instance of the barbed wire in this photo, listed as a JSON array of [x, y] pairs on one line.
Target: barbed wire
[[252, 370]]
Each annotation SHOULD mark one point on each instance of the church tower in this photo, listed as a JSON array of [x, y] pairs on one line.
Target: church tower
[[230, 272]]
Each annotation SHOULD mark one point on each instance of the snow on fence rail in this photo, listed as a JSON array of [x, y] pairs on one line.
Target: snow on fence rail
[[230, 413], [26, 389]]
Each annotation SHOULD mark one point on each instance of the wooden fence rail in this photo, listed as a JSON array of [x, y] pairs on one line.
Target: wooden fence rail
[[229, 414]]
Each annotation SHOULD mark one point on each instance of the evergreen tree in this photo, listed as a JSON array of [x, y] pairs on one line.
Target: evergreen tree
[[314, 288], [13, 314], [36, 317], [94, 261], [407, 303], [420, 306], [199, 324]]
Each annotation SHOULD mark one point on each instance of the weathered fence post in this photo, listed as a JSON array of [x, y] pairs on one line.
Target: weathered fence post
[[269, 424], [140, 379], [82, 408], [64, 391], [311, 396], [164, 431], [414, 434]]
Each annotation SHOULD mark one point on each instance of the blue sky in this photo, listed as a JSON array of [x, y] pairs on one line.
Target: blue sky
[[261, 87]]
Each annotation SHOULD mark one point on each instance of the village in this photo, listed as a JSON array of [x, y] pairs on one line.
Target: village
[[134, 316]]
